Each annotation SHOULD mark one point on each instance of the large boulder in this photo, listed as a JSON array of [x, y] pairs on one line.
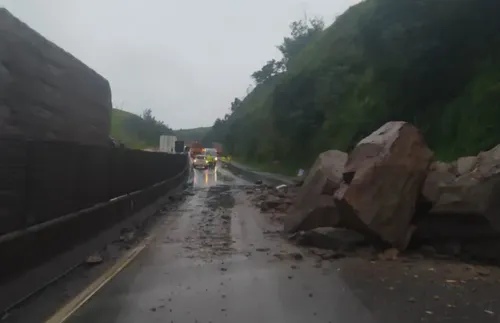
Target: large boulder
[[314, 206], [383, 178], [46, 93], [472, 192]]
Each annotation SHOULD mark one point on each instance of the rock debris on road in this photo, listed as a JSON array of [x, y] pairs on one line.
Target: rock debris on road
[[218, 257]]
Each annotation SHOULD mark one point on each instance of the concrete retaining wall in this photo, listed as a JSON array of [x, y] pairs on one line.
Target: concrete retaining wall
[[45, 92]]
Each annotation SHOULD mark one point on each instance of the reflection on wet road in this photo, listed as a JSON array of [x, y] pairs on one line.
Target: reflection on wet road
[[214, 176]]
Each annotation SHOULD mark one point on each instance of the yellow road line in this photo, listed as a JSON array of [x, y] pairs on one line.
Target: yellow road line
[[70, 308]]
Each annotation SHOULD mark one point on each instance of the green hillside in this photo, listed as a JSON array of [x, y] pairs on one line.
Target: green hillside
[[435, 63], [189, 135], [137, 132]]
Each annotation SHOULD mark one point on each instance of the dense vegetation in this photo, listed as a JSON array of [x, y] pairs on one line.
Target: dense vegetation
[[194, 134], [435, 63], [135, 131]]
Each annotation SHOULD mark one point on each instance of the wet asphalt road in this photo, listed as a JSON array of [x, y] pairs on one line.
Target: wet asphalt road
[[216, 259]]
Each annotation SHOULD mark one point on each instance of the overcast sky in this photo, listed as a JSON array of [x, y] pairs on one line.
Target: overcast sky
[[186, 60]]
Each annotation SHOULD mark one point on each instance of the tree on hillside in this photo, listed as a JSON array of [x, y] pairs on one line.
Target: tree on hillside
[[147, 128], [272, 68], [302, 32], [147, 115], [235, 104]]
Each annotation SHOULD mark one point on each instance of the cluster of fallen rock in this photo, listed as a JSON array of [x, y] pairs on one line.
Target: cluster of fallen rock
[[391, 193], [269, 199]]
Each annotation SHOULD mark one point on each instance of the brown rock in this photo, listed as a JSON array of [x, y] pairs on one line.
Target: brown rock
[[94, 259], [389, 254], [472, 194], [440, 167], [314, 206], [466, 164], [434, 182], [270, 203], [383, 178]]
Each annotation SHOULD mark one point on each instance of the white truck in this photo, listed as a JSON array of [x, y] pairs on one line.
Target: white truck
[[167, 144]]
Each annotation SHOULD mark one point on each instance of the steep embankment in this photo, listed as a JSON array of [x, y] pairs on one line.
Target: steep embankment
[[433, 63], [136, 132]]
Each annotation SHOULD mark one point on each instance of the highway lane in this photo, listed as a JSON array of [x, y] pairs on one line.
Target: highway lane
[[213, 260]]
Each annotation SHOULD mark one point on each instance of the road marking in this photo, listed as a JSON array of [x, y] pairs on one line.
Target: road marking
[[75, 304]]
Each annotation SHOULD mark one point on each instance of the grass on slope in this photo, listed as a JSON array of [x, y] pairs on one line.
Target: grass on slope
[[122, 129]]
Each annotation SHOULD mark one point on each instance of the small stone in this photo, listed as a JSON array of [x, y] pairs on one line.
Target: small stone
[[482, 271], [279, 256], [429, 312], [153, 309], [290, 277], [412, 300], [128, 236], [310, 295], [389, 254], [489, 312], [297, 256], [293, 267], [94, 259], [223, 269], [262, 249]]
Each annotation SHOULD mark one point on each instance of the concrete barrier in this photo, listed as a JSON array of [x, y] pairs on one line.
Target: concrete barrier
[[46, 93], [35, 256]]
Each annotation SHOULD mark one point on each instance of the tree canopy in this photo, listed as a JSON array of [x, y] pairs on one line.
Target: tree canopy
[[433, 63]]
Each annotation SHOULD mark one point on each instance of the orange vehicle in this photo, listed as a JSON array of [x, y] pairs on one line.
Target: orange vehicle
[[196, 148]]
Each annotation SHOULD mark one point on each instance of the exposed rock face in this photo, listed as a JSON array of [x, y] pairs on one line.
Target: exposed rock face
[[474, 191], [314, 206], [47, 94], [383, 179]]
